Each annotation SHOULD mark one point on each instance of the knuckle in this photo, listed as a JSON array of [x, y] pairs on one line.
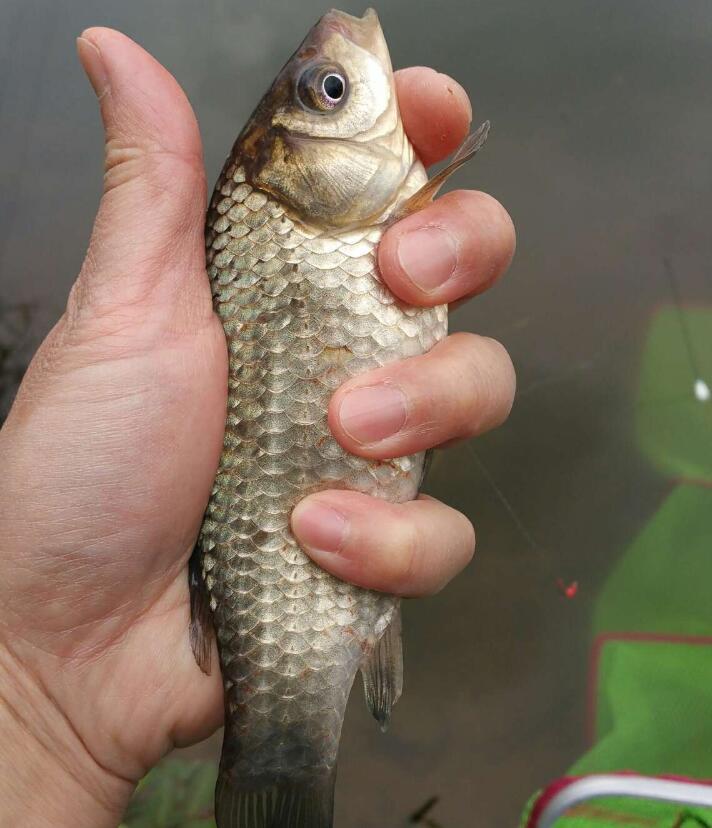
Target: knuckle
[[474, 205], [504, 376], [461, 549], [495, 358], [469, 539], [485, 383], [163, 170], [468, 346], [496, 211], [490, 229], [501, 230], [405, 556], [484, 207], [498, 354]]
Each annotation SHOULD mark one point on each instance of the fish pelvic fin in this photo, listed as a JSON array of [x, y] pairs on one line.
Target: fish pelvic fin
[[382, 672], [422, 197], [279, 803], [201, 616]]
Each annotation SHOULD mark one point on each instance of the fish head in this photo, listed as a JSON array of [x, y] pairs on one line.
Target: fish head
[[327, 139]]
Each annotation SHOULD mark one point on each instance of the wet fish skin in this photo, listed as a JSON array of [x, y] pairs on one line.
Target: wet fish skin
[[291, 636], [292, 230]]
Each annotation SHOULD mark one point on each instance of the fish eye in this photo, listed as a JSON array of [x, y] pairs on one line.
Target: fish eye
[[333, 87], [322, 88]]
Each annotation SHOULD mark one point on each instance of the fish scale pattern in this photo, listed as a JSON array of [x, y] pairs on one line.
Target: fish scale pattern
[[303, 311]]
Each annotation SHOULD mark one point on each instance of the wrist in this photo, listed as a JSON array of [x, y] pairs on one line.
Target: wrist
[[47, 776]]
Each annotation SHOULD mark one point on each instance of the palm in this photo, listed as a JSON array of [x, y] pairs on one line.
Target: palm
[[138, 430], [124, 404]]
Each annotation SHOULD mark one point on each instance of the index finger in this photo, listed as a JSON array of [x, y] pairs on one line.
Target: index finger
[[436, 112]]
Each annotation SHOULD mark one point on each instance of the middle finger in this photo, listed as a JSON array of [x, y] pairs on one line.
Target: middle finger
[[462, 387], [453, 248]]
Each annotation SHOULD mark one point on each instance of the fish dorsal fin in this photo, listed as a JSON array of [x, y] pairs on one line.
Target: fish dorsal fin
[[469, 147]]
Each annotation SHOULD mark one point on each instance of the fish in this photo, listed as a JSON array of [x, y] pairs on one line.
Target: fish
[[321, 168]]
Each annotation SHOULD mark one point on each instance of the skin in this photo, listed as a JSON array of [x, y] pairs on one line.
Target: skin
[[110, 450]]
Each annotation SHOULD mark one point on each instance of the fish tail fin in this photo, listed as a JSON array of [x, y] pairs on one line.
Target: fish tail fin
[[280, 803], [382, 672]]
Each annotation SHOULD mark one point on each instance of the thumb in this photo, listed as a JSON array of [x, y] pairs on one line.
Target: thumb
[[147, 241]]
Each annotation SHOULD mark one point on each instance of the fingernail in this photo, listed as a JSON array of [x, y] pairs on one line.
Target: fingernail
[[373, 413], [318, 526], [428, 256], [93, 63]]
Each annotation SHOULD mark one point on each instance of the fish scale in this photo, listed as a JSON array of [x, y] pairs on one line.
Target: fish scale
[[303, 312]]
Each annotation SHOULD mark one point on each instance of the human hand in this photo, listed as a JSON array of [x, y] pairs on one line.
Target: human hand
[[110, 450]]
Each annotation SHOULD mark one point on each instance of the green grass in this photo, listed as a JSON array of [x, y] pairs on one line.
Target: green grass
[[175, 794]]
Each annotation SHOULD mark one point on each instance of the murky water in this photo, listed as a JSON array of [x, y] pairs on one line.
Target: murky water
[[602, 115]]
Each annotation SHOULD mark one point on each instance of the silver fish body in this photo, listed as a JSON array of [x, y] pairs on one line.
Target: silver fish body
[[292, 232], [303, 312]]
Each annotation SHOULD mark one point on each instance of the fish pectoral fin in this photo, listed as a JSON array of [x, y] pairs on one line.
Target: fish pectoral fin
[[469, 147], [382, 672], [201, 616]]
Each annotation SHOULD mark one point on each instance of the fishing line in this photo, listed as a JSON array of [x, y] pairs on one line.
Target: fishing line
[[568, 590], [700, 389], [525, 533]]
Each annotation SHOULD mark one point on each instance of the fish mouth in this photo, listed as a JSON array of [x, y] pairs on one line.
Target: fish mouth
[[363, 31]]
